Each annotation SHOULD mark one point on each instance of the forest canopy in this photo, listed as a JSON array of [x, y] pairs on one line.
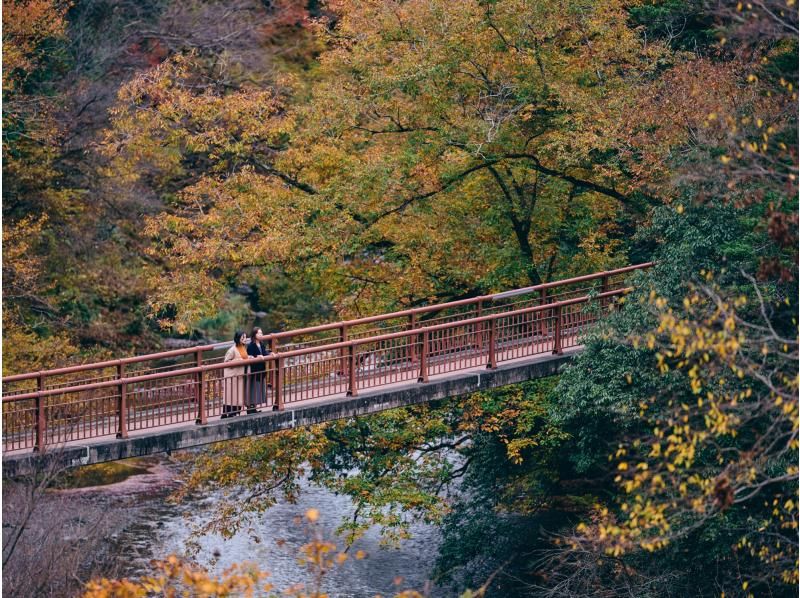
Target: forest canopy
[[173, 167], [360, 157]]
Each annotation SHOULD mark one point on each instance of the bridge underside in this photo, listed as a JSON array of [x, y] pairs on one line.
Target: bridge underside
[[184, 436]]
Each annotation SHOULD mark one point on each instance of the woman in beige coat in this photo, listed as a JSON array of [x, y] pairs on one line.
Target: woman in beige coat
[[233, 377]]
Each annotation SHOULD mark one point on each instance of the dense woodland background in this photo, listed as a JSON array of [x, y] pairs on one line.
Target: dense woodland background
[[172, 167]]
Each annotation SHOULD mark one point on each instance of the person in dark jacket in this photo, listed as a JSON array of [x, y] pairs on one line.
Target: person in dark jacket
[[257, 391]]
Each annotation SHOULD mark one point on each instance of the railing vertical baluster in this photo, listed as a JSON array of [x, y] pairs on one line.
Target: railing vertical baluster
[[200, 391], [122, 403], [492, 344], [604, 287], [423, 359], [278, 386], [352, 384], [41, 423], [557, 333]]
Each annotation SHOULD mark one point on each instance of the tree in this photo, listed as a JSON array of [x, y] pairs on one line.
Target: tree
[[66, 63], [728, 216], [697, 375], [488, 461], [414, 163], [52, 542], [30, 132], [696, 382], [474, 122]]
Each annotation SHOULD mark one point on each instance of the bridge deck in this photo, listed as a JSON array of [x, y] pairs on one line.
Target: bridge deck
[[143, 397], [313, 411], [301, 397]]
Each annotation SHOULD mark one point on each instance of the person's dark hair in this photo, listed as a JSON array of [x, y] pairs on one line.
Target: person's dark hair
[[254, 333], [237, 337]]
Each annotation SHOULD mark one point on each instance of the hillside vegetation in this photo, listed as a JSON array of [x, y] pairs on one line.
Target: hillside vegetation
[[172, 167]]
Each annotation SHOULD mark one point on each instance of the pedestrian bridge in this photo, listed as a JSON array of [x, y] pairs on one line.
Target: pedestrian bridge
[[171, 400]]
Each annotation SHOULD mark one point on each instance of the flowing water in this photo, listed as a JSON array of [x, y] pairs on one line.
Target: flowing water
[[162, 529]]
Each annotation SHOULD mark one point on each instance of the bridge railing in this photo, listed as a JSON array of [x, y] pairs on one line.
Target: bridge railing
[[317, 336], [463, 309], [52, 416]]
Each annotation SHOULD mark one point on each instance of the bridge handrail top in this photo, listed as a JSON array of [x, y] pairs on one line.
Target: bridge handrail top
[[309, 350], [585, 277], [319, 328], [112, 362], [440, 306]]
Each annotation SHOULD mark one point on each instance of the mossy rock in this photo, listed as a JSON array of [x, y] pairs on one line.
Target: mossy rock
[[102, 474]]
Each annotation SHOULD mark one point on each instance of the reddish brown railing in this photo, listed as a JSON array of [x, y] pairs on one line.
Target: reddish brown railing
[[325, 334], [133, 394]]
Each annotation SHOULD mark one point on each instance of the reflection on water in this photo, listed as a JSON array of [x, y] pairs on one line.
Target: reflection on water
[[280, 538]]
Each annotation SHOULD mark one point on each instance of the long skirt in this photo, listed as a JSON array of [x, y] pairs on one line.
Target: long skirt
[[257, 390], [233, 387]]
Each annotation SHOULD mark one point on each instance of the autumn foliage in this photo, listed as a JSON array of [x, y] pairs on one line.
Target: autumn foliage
[[176, 165]]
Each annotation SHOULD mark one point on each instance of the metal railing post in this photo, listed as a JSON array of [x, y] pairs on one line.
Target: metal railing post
[[247, 380], [492, 344], [479, 325], [352, 383], [278, 386], [604, 288], [41, 422], [122, 403], [412, 349], [557, 333], [423, 359], [273, 367], [200, 391], [342, 351], [542, 318]]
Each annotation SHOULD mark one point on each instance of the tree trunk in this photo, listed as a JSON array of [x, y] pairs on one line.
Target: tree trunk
[[527, 253]]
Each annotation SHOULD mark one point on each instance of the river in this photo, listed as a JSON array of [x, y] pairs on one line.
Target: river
[[162, 529]]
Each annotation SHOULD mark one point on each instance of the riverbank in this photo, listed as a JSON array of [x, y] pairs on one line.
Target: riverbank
[[142, 475], [75, 534]]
